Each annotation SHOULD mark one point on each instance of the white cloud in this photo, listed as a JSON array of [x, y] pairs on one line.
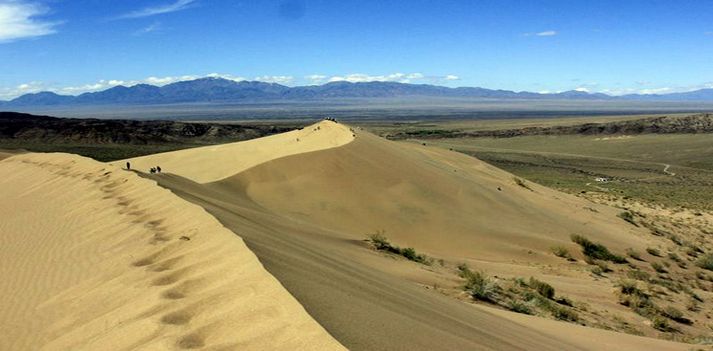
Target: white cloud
[[316, 78], [153, 27], [178, 5], [18, 20], [275, 79], [547, 33], [662, 90], [394, 77], [582, 89], [451, 77]]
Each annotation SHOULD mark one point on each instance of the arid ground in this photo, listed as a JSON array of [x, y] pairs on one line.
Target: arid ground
[[331, 237]]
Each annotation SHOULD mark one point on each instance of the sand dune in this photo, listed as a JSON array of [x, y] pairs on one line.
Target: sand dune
[[211, 163], [96, 258], [441, 202], [306, 215], [124, 264]]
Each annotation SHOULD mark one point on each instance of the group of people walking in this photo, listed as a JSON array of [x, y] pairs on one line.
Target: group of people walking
[[153, 170]]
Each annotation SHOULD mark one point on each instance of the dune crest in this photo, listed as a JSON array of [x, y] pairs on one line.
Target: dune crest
[[216, 162], [96, 258]]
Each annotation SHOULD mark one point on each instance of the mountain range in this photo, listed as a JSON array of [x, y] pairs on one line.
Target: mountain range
[[226, 91]]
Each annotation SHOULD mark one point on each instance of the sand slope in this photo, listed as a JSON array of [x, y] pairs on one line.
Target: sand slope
[[96, 258], [444, 203], [211, 163], [306, 215], [362, 298]]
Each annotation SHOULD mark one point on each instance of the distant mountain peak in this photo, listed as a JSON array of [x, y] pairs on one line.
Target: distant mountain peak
[[209, 89]]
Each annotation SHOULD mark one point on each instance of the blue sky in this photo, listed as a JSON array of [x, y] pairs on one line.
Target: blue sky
[[606, 46]]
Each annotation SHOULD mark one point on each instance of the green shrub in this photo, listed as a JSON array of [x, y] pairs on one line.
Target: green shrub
[[561, 251], [660, 323], [409, 253], [519, 307], [629, 287], [596, 250], [480, 286], [542, 288], [564, 314], [672, 313], [658, 267], [463, 270], [381, 243], [706, 261]]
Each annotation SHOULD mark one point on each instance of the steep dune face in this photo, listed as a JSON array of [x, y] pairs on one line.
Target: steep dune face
[[212, 163], [444, 203], [96, 258]]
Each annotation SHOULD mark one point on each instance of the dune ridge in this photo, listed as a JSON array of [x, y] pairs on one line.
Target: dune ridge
[[306, 216], [96, 258], [215, 162]]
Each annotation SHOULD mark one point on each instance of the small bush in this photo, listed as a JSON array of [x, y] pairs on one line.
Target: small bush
[[381, 243], [519, 307], [629, 287], [690, 251], [464, 271], [542, 288], [596, 250], [480, 286], [675, 239], [564, 314], [410, 253], [653, 251], [692, 305], [522, 183], [674, 314], [658, 267], [596, 270], [564, 301], [603, 266], [706, 261], [638, 275], [627, 216], [561, 251], [633, 254], [660, 323]]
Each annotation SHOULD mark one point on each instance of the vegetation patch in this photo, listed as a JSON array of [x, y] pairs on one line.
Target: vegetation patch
[[542, 288], [706, 261], [531, 296], [595, 250], [478, 284], [633, 254], [627, 216], [653, 251], [381, 243], [561, 251], [521, 182]]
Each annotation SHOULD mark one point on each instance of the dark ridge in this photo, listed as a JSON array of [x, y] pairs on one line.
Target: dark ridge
[[698, 123]]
